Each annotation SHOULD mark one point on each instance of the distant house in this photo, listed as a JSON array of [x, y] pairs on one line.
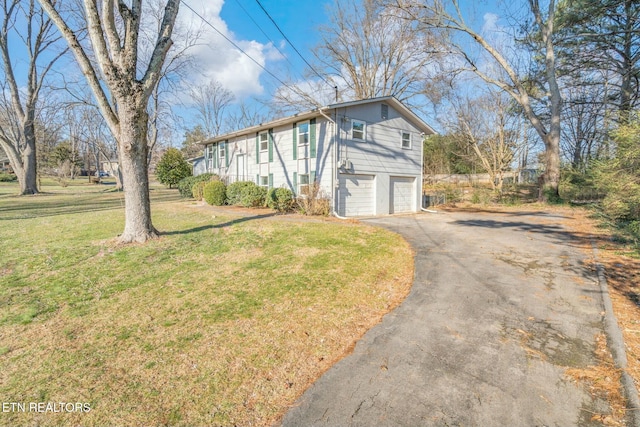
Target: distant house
[[110, 166], [366, 155], [5, 165], [198, 165]]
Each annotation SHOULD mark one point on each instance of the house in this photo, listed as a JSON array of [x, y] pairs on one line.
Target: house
[[365, 155], [198, 165], [5, 165]]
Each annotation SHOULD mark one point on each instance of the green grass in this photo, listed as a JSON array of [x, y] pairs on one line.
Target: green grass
[[221, 321]]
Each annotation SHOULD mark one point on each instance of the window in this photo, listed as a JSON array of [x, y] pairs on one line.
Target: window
[[264, 141], [406, 140], [384, 111], [358, 130], [264, 181], [221, 149], [303, 184], [303, 133]]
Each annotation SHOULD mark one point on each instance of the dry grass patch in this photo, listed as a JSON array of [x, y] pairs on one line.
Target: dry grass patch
[[218, 322]]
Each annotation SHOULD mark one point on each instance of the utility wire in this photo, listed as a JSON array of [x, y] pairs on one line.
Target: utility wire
[[292, 45], [265, 34], [235, 45]]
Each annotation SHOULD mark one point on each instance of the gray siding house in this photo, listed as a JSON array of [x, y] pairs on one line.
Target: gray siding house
[[366, 155]]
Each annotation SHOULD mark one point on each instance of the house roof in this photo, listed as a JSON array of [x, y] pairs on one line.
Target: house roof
[[322, 110]]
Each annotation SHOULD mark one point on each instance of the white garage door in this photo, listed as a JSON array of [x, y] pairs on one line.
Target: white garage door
[[403, 195], [356, 195]]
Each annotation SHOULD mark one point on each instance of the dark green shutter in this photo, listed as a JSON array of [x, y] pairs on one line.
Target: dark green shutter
[[257, 147], [257, 179], [295, 182], [215, 156], [226, 153], [270, 180], [312, 138], [295, 141], [270, 145], [312, 177]]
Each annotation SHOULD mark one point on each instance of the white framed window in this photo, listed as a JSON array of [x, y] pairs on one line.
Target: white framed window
[[264, 181], [406, 140], [221, 150], [264, 141], [303, 184], [358, 130], [303, 133]]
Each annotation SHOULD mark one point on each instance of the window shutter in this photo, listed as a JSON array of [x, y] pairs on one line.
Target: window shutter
[[295, 182], [258, 179], [270, 145], [312, 177], [257, 147], [312, 138], [226, 153], [270, 180], [215, 156], [295, 142]]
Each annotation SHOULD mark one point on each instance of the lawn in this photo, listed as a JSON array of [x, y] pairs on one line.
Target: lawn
[[223, 320]]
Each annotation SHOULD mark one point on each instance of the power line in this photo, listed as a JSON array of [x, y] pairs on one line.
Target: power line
[[292, 45], [235, 45], [265, 34]]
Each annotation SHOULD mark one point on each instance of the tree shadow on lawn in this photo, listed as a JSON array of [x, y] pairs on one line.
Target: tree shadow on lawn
[[52, 204], [215, 226]]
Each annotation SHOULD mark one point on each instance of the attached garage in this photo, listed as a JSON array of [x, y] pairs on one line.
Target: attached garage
[[356, 195], [402, 197]]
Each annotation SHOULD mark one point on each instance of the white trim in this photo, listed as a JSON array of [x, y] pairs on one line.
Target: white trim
[[364, 130]]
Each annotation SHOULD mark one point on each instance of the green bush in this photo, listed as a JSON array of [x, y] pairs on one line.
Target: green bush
[[185, 186], [198, 190], [280, 199], [6, 177], [215, 193], [234, 192], [253, 196], [172, 167]]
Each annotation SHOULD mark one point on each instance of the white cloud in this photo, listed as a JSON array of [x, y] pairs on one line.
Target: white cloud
[[490, 23], [217, 59]]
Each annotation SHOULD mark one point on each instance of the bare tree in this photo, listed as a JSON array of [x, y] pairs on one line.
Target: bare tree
[[210, 102], [122, 87], [376, 52], [27, 24], [489, 126], [447, 15]]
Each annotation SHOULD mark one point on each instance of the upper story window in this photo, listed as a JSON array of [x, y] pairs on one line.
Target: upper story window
[[264, 141], [221, 150], [358, 130], [406, 140], [303, 133]]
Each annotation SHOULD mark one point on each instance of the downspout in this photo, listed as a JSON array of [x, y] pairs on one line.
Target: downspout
[[334, 172], [422, 179]]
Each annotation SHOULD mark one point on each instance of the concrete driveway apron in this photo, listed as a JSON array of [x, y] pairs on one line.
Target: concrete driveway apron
[[502, 304]]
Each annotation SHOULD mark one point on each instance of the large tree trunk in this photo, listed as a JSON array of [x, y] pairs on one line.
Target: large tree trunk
[[135, 179], [29, 183]]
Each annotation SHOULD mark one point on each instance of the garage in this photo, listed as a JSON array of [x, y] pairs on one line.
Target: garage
[[356, 195], [402, 195]]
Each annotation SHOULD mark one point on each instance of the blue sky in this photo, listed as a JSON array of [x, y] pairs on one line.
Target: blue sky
[[299, 20]]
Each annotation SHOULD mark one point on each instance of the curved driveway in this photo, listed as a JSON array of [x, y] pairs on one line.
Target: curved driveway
[[502, 304]]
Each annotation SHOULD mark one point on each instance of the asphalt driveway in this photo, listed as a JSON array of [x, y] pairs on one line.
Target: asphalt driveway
[[502, 304]]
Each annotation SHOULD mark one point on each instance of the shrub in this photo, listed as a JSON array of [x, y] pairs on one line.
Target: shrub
[[315, 202], [215, 193], [234, 192], [185, 186], [172, 167], [253, 196], [6, 177], [280, 199], [198, 190]]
